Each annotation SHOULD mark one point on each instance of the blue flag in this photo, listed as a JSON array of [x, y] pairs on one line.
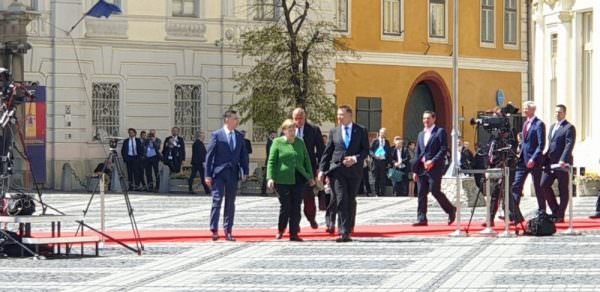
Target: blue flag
[[103, 9]]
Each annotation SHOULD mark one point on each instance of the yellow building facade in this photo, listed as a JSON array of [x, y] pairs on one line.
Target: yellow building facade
[[403, 62]]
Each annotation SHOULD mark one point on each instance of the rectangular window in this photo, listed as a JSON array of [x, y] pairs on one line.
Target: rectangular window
[[487, 21], [437, 19], [185, 8], [105, 109], [368, 112], [265, 10], [341, 15], [188, 109], [392, 17], [510, 22], [586, 74]]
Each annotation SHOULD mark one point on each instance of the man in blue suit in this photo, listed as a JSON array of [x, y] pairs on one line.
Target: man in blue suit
[[558, 159], [226, 157], [531, 158], [428, 169]]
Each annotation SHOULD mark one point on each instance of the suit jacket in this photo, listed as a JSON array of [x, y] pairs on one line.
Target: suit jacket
[[435, 150], [220, 157], [138, 147], [533, 145], [561, 144], [405, 157], [313, 139], [386, 148], [336, 151], [178, 151], [198, 153], [248, 145]]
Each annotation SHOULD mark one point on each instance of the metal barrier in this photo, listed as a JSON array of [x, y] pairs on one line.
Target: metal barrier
[[571, 229], [506, 232]]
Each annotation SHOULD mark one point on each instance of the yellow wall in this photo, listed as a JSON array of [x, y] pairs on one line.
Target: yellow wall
[[392, 83], [366, 30]]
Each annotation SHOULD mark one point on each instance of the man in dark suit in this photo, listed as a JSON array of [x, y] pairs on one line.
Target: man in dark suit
[[342, 162], [400, 158], [466, 156], [531, 159], [381, 153], [198, 158], [226, 157], [247, 141], [558, 159], [313, 139], [263, 187], [432, 146], [132, 153], [174, 151]]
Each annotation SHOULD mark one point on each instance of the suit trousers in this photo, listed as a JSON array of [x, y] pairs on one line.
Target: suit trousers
[[426, 184], [225, 186], [330, 213], [134, 171], [380, 174], [198, 168], [365, 185], [290, 199], [344, 187], [151, 165], [548, 178], [310, 208], [517, 187]]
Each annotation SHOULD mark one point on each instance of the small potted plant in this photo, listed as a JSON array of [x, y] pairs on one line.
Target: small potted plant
[[588, 184]]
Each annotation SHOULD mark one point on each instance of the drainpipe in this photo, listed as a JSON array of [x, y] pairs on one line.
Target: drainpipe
[[53, 101], [529, 53], [222, 52]]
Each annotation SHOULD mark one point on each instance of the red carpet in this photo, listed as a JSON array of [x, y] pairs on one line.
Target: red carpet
[[268, 234]]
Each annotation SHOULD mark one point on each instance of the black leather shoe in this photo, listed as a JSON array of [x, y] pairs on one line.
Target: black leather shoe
[[484, 224], [420, 223], [595, 216], [229, 237], [344, 238], [313, 224], [559, 220], [215, 236], [296, 238], [330, 230], [452, 217], [279, 236]]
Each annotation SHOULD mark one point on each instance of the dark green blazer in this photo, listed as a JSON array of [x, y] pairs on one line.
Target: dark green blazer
[[285, 159]]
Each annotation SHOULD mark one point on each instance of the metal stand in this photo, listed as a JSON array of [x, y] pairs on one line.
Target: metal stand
[[488, 230], [113, 159], [571, 229], [506, 233], [458, 232]]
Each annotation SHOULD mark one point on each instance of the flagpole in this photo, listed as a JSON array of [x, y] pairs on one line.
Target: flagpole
[[77, 23]]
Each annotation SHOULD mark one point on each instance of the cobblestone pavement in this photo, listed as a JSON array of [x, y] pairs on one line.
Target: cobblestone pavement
[[558, 263]]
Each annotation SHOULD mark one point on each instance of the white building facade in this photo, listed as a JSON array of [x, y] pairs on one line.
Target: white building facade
[[161, 63], [566, 69]]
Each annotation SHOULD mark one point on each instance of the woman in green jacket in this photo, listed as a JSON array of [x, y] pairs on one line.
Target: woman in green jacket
[[288, 169]]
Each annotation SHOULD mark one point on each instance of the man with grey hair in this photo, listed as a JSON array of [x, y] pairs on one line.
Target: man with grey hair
[[531, 159]]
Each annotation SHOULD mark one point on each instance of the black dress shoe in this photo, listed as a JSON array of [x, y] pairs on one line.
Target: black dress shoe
[[296, 238], [215, 236], [420, 223], [559, 220], [330, 230], [452, 217], [484, 224], [279, 236], [344, 238], [313, 224], [229, 237], [595, 216]]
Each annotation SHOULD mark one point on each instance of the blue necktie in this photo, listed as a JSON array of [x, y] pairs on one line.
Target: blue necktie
[[231, 145], [347, 138]]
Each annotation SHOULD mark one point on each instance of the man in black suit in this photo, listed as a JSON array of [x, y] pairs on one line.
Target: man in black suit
[[174, 151], [342, 162], [132, 153], [247, 141], [313, 139], [400, 158], [263, 187], [380, 152], [198, 158], [558, 159], [432, 146]]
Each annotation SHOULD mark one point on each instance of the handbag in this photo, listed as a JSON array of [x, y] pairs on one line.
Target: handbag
[[394, 174]]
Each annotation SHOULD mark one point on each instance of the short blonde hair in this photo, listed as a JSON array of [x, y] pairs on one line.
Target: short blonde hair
[[289, 123]]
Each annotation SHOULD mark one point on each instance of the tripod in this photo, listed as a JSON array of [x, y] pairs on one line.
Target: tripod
[[113, 160]]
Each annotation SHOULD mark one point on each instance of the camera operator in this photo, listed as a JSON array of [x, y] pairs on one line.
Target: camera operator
[[152, 147], [174, 151], [530, 161]]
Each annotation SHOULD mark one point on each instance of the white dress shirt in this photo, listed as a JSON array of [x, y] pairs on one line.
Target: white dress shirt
[[132, 147], [227, 133], [427, 134]]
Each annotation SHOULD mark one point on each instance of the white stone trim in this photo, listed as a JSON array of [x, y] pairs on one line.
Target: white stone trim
[[434, 39], [392, 37], [518, 31], [411, 60], [347, 33], [483, 44]]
